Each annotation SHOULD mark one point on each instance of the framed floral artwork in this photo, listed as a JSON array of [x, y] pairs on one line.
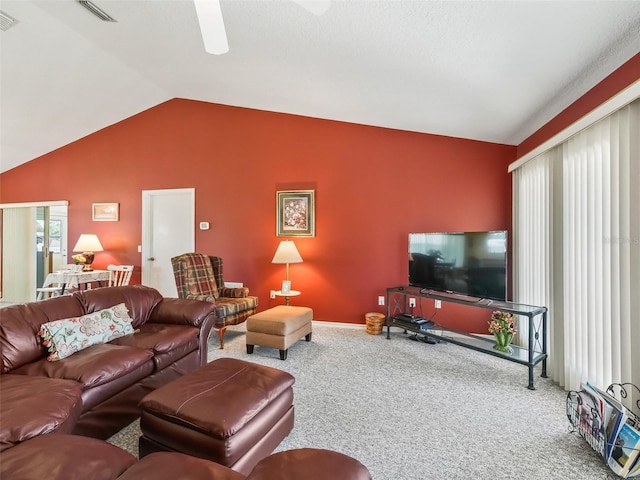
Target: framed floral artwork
[[295, 213], [105, 212]]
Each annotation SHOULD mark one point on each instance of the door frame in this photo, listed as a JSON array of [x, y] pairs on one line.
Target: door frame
[[22, 275]]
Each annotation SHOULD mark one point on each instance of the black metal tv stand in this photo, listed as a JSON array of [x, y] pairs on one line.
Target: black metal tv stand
[[534, 353]]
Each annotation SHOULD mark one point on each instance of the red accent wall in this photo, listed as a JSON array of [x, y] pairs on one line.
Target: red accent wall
[[373, 186]]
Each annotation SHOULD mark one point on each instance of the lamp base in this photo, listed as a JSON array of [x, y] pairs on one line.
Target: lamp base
[[89, 256]]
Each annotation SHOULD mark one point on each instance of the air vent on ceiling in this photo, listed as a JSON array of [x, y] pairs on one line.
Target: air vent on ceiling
[[97, 11], [6, 21]]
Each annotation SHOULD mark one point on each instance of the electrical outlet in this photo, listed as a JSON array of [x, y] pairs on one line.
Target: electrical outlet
[[381, 300], [273, 294], [438, 304], [412, 302]]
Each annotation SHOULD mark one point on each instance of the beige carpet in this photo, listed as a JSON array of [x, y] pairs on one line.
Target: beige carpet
[[412, 411]]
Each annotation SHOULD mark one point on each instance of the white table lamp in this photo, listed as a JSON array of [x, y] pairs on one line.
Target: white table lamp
[[287, 253], [88, 244]]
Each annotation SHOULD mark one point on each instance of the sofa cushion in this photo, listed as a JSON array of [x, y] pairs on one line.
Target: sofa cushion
[[65, 457], [168, 342], [93, 366], [33, 406], [19, 340], [140, 300], [178, 466], [70, 335]]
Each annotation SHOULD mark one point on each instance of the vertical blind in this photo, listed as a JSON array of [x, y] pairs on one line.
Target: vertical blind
[[577, 249], [19, 254]]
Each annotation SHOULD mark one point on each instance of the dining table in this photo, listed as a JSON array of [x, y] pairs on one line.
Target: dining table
[[67, 279]]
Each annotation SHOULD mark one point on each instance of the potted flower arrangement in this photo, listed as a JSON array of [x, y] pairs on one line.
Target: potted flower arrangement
[[503, 328]]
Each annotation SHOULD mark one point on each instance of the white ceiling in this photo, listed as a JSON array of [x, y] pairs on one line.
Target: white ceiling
[[486, 70]]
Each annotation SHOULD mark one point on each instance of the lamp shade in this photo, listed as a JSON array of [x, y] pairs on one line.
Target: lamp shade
[[88, 242], [287, 253]]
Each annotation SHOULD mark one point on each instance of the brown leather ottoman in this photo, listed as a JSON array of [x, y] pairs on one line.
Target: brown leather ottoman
[[309, 463], [229, 411], [174, 466]]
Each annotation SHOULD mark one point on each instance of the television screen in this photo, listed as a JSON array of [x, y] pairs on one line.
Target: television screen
[[469, 263]]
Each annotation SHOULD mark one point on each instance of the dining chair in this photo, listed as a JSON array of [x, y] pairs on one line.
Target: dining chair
[[119, 275], [48, 292], [55, 289]]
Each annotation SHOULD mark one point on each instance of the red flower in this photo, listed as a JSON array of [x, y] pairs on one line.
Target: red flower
[[502, 322]]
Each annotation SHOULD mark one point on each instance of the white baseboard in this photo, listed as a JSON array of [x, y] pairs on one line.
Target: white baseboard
[[337, 324]]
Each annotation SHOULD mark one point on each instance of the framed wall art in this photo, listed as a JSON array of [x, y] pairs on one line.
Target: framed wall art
[[105, 212], [295, 213]]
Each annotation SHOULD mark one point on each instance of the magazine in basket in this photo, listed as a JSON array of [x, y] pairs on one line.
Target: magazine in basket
[[608, 426]]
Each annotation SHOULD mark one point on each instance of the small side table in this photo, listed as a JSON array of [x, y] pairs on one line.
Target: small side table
[[292, 293]]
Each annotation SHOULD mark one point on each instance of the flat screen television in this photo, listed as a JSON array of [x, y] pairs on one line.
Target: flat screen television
[[467, 263]]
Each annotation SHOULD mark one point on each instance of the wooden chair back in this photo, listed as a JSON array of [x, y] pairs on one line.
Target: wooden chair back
[[119, 275]]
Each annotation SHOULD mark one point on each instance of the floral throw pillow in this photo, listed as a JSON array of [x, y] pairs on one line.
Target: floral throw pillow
[[70, 335]]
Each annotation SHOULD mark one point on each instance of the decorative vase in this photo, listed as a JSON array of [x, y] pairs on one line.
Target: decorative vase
[[503, 341]]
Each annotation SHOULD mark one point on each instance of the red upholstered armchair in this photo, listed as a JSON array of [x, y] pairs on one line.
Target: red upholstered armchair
[[199, 277]]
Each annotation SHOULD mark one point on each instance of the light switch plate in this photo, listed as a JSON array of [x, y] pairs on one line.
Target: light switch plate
[[204, 225]]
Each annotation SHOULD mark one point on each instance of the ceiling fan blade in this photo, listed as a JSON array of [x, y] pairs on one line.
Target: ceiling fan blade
[[212, 29], [317, 7]]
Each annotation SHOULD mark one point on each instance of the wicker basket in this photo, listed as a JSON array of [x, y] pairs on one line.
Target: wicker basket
[[375, 322]]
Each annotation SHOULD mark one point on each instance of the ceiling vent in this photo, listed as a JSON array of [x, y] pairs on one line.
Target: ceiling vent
[[97, 11], [6, 21]]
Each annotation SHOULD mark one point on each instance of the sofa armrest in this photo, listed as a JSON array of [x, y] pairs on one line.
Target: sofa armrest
[[237, 292], [183, 311]]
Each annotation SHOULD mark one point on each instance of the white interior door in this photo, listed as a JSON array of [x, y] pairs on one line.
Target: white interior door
[[168, 229]]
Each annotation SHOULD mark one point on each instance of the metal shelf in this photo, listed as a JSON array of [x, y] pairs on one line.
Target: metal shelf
[[397, 301]]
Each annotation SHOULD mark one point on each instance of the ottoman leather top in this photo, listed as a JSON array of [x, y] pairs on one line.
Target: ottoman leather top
[[280, 320], [172, 466], [305, 463], [219, 398]]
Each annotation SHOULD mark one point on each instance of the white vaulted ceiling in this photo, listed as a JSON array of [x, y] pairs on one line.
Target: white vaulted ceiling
[[486, 70]]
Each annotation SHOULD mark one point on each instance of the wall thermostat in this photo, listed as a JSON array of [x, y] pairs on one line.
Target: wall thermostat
[[204, 225]]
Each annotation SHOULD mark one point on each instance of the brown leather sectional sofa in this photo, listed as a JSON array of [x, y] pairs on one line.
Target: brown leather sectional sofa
[[94, 392], [55, 457]]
